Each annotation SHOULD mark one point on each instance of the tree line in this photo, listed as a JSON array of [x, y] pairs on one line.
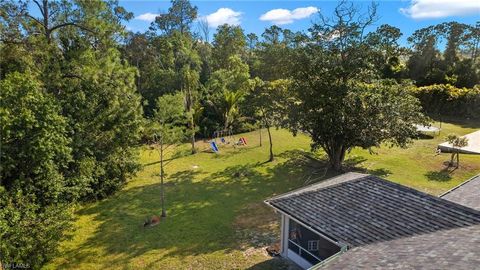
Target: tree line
[[80, 93]]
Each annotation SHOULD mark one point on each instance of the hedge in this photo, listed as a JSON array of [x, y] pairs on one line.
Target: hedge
[[446, 99]]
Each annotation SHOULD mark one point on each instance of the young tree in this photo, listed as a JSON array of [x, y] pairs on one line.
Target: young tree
[[457, 142], [269, 100], [189, 88], [167, 130]]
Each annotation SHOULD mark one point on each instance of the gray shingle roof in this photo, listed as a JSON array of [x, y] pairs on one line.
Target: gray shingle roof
[[457, 249], [467, 194], [359, 209]]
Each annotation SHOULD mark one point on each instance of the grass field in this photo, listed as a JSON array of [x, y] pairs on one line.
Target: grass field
[[216, 218]]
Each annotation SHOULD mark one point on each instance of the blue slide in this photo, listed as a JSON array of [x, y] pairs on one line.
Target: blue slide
[[214, 147]]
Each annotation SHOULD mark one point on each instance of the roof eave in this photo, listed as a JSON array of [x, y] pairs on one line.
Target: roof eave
[[343, 246]]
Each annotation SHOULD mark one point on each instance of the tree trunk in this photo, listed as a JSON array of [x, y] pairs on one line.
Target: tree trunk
[[260, 132], [192, 123], [336, 156], [189, 109], [452, 157], [162, 175], [270, 141], [45, 21], [225, 125], [458, 159]]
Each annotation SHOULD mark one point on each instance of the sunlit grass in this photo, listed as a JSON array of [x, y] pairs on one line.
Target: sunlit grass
[[216, 218]]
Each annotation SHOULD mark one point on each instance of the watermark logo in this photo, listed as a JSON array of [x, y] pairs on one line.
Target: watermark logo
[[14, 265]]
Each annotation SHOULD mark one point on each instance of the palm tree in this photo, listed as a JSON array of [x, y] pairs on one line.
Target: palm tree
[[230, 101], [227, 106]]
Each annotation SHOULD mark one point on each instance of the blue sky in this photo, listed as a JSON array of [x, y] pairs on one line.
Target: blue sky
[[255, 16]]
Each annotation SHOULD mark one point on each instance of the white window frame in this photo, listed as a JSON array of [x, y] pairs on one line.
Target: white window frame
[[312, 245]]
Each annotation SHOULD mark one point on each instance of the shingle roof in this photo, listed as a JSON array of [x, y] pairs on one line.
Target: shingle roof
[[457, 249], [358, 209], [467, 194]]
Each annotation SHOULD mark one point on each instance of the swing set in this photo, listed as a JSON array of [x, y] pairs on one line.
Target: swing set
[[225, 137]]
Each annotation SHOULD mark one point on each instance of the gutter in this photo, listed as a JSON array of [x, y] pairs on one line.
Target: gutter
[[329, 259]]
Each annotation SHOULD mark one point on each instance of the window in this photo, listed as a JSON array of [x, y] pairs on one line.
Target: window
[[313, 245]]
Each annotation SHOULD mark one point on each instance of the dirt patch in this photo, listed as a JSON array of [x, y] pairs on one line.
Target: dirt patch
[[257, 216], [256, 227]]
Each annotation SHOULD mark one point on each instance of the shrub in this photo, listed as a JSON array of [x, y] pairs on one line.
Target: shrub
[[30, 233], [445, 99], [33, 211]]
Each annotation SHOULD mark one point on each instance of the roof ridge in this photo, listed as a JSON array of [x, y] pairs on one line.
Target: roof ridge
[[331, 179]]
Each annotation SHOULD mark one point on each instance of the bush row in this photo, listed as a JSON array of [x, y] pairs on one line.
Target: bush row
[[446, 99]]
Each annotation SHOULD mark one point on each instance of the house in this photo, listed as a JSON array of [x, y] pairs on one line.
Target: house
[[359, 221]]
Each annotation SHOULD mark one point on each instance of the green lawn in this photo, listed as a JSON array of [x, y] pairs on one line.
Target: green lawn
[[216, 218]]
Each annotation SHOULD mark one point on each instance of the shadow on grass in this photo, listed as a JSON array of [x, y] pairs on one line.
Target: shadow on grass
[[354, 161], [353, 164], [274, 264], [382, 172], [423, 136], [463, 122], [439, 176], [201, 212], [304, 159], [176, 155]]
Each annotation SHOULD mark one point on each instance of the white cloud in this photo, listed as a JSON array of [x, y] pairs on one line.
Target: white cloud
[[428, 9], [223, 16], [285, 16], [148, 17]]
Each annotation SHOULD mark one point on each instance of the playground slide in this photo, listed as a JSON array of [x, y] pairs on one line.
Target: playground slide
[[214, 147]]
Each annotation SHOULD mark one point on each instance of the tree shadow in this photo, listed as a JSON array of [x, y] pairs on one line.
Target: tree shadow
[[302, 159], [228, 151], [463, 122], [182, 152], [202, 211], [381, 172], [274, 264], [353, 161], [424, 136], [439, 176]]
